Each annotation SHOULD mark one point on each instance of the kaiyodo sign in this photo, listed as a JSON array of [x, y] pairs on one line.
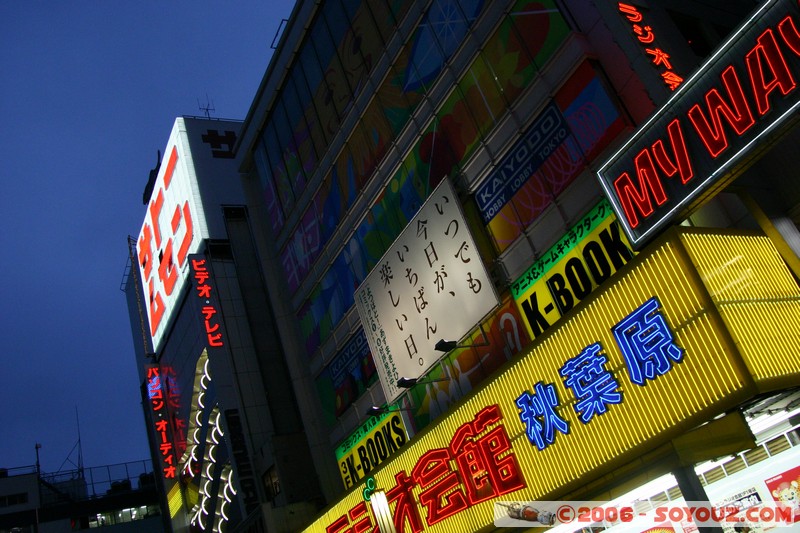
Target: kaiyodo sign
[[542, 138]]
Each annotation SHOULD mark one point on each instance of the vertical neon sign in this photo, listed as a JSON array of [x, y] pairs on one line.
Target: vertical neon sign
[[161, 420], [646, 36]]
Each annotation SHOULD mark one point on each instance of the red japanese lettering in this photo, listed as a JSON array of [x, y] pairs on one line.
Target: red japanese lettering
[[184, 215], [360, 518], [405, 510], [339, 525], [441, 496], [204, 291], [200, 272], [505, 473], [485, 474], [155, 212], [167, 270], [156, 306], [215, 340], [630, 11], [173, 160], [146, 251], [790, 35]]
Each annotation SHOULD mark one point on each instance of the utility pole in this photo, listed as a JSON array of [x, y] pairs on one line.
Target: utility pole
[[38, 488]]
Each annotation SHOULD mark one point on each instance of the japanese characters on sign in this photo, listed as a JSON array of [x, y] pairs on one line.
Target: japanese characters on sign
[[209, 308], [733, 108], [624, 374], [587, 255], [645, 35], [169, 234], [478, 464], [163, 400], [649, 349], [369, 446], [430, 285]]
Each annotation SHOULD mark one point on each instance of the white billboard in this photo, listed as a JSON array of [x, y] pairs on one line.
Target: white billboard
[[430, 285], [199, 152]]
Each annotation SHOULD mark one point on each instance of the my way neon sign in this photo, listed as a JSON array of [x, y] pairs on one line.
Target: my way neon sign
[[723, 116]]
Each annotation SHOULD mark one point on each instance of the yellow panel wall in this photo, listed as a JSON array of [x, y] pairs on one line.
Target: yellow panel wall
[[757, 297], [748, 285]]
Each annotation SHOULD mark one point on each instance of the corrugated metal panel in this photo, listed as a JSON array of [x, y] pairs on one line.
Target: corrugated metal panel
[[757, 298]]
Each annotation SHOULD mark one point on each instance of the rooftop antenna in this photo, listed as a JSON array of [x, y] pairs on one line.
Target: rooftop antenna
[[79, 465], [80, 448], [207, 108]]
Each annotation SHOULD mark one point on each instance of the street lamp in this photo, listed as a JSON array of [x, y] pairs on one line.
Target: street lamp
[[377, 411], [407, 383], [447, 346]]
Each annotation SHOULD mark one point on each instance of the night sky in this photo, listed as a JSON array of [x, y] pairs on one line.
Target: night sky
[[89, 93]]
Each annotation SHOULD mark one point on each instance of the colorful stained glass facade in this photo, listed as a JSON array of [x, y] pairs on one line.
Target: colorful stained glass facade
[[351, 152]]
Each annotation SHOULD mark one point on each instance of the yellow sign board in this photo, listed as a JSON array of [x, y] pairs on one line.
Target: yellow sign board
[[370, 446], [636, 365], [593, 250]]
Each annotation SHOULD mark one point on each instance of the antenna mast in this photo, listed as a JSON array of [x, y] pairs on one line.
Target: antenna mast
[[208, 108], [80, 449]]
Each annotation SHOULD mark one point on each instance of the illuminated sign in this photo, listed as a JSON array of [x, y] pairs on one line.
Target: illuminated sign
[[714, 124], [541, 139], [485, 468], [370, 445], [161, 421], [645, 35], [165, 241], [430, 285], [170, 232], [648, 347], [633, 367], [210, 315], [198, 171], [587, 255], [206, 295]]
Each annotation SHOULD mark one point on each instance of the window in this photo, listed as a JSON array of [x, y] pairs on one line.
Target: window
[[271, 483]]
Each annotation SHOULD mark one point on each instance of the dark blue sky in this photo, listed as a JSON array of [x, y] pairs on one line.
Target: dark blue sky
[[88, 93]]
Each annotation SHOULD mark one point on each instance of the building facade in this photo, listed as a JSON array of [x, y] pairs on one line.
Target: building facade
[[627, 279], [121, 497], [221, 417], [495, 252]]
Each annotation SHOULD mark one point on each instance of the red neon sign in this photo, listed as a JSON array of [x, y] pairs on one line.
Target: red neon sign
[[646, 36], [168, 225], [208, 309], [159, 404], [477, 465], [727, 113]]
